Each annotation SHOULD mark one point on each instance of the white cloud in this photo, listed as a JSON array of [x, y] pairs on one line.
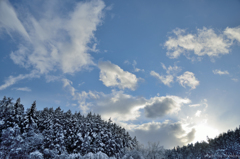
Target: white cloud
[[163, 66], [135, 68], [233, 33], [124, 107], [220, 72], [194, 105], [117, 105], [67, 83], [203, 103], [173, 70], [167, 79], [161, 106], [23, 89], [10, 21], [205, 42], [112, 75], [57, 42], [188, 78], [12, 80], [80, 97], [198, 113]]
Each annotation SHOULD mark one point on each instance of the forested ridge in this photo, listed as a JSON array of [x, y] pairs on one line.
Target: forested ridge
[[225, 145], [54, 133], [50, 133]]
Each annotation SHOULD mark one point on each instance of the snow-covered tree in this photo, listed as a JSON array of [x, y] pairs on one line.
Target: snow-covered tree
[[50, 133], [12, 144]]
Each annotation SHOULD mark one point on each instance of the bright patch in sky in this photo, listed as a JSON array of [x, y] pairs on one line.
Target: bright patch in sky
[[167, 71], [203, 130]]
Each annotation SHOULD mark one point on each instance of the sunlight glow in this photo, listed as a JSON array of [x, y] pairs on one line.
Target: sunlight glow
[[203, 130]]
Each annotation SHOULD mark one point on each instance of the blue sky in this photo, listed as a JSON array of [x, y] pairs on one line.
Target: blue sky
[[167, 71]]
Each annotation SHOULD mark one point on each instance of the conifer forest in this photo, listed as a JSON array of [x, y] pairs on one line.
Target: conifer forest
[[50, 133]]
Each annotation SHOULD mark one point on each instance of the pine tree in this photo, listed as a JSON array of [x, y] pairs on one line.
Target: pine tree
[[19, 114], [30, 120], [12, 144], [52, 133]]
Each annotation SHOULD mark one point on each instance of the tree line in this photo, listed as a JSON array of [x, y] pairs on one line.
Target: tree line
[[53, 133]]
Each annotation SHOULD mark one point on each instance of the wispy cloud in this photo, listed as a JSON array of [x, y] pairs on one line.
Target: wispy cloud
[[203, 103], [23, 89], [127, 62], [188, 79], [113, 76], [52, 78], [219, 72], [12, 80], [10, 21], [194, 105], [171, 73], [167, 79], [80, 97], [57, 42], [173, 70], [135, 68]]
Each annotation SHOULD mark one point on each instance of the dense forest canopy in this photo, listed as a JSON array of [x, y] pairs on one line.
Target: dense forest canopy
[[54, 132], [50, 133]]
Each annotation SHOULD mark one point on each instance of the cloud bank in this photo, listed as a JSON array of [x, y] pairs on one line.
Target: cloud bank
[[124, 107], [167, 133]]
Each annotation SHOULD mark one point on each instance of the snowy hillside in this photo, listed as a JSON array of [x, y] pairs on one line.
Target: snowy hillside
[[50, 133], [53, 133]]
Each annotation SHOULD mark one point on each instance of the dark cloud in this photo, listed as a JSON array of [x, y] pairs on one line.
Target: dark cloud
[[168, 134], [119, 106], [160, 108], [190, 136]]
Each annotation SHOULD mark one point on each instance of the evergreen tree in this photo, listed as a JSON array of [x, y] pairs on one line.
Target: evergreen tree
[[52, 133], [30, 120], [19, 114], [12, 144]]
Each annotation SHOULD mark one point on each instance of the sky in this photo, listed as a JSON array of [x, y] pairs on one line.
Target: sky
[[166, 71]]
